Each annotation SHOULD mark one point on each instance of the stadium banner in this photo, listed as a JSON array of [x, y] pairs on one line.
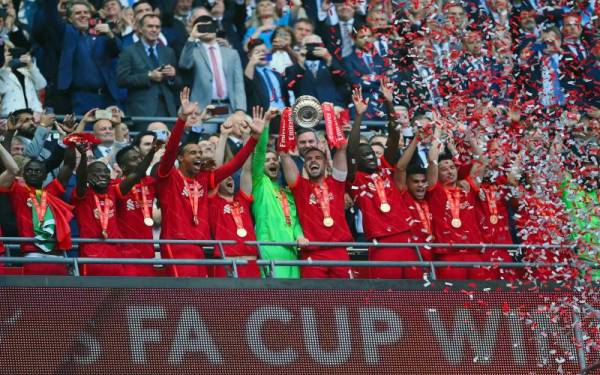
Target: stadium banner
[[218, 330]]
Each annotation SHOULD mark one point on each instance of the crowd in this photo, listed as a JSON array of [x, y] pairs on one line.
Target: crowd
[[491, 113]]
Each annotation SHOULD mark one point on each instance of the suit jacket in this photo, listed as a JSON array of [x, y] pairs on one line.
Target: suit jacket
[[325, 86], [132, 74], [194, 57], [356, 68], [258, 93]]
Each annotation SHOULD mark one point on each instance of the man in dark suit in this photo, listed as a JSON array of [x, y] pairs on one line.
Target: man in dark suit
[[264, 87], [364, 68], [317, 73], [147, 70], [85, 69]]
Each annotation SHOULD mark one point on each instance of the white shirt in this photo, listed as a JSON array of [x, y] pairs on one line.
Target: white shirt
[[105, 150], [220, 72], [279, 61]]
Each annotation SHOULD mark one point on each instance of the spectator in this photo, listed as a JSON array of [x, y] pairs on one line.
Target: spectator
[[264, 87], [104, 131], [263, 23], [364, 68], [20, 80], [140, 9], [282, 53], [183, 10], [143, 142], [316, 73], [85, 69], [147, 70], [472, 70], [17, 146], [342, 22], [218, 76], [303, 27]]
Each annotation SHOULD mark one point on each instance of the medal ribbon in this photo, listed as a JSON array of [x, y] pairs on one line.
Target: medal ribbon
[[454, 200], [40, 207], [491, 200], [285, 206], [193, 196], [236, 212], [103, 212], [143, 200], [322, 194], [424, 215], [380, 188]]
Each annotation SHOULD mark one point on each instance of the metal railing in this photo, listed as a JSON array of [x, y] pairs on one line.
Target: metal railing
[[371, 124], [270, 264]]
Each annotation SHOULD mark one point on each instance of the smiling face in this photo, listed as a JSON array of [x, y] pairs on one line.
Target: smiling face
[[447, 172], [306, 141], [265, 9], [98, 176], [227, 187], [104, 131], [80, 17], [34, 173], [416, 184], [190, 160], [367, 159], [571, 28], [272, 165], [314, 164]]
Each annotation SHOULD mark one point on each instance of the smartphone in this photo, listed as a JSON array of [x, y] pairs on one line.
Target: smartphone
[[219, 110], [103, 114], [161, 135]]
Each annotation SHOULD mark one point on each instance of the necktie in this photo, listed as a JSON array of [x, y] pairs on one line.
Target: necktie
[[382, 51], [314, 67], [215, 69], [270, 85], [153, 56]]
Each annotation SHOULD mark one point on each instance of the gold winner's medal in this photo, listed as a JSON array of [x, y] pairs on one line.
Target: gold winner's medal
[[328, 222], [241, 232], [385, 207], [148, 221], [494, 219], [456, 223]]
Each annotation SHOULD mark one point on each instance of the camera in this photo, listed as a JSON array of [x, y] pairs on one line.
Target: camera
[[310, 50]]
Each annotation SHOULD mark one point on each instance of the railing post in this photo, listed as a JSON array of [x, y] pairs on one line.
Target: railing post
[[234, 271], [432, 268], [272, 269], [75, 267]]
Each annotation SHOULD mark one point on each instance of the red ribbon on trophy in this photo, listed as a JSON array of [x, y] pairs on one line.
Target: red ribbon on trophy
[[333, 130], [287, 133]]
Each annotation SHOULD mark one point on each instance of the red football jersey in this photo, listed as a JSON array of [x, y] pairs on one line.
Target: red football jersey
[[421, 228], [176, 208], [310, 212], [130, 216], [468, 232], [380, 219], [223, 226], [494, 214], [18, 194]]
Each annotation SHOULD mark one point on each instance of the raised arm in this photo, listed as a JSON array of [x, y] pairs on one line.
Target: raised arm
[[187, 109], [68, 166], [260, 117], [434, 153], [260, 155], [11, 168], [480, 160], [360, 106], [393, 139], [225, 131], [290, 169], [140, 171], [402, 165], [82, 173], [256, 129]]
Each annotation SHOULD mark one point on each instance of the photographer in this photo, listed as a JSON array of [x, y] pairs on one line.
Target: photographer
[[147, 70], [220, 82], [20, 80], [316, 73]]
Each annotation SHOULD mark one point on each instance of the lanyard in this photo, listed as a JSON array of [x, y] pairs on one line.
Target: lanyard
[[322, 194], [143, 202], [384, 206], [103, 212], [193, 196], [40, 207], [424, 215], [236, 212], [454, 201]]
